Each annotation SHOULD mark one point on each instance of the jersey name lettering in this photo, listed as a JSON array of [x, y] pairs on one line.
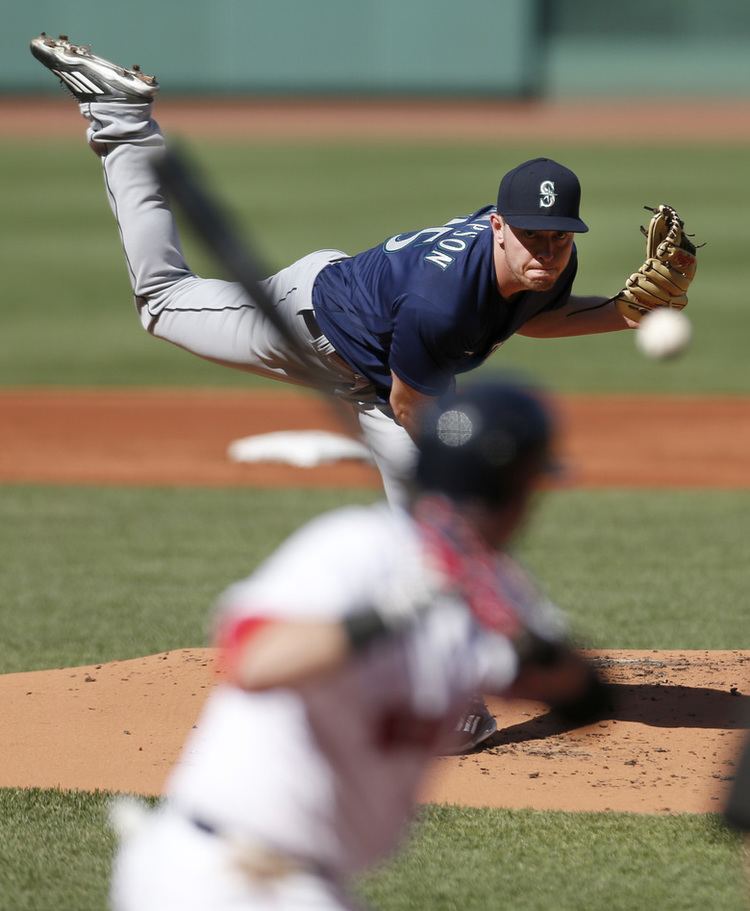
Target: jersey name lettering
[[443, 254]]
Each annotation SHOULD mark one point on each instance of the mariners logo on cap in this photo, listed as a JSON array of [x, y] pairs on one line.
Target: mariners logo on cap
[[547, 194]]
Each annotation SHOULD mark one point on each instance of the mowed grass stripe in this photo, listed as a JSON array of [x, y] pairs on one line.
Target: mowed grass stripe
[[96, 574], [56, 850], [68, 320], [531, 860]]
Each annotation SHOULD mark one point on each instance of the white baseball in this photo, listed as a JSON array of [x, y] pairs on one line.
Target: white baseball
[[663, 333]]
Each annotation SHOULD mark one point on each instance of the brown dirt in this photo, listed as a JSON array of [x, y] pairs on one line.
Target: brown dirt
[[670, 748], [655, 121], [156, 437]]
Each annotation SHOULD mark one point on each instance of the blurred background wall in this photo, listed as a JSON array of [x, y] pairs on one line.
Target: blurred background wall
[[504, 48]]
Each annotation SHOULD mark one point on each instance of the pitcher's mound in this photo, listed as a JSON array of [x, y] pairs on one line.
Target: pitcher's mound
[[670, 748]]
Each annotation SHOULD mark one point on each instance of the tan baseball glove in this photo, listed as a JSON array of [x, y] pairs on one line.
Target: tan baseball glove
[[665, 276]]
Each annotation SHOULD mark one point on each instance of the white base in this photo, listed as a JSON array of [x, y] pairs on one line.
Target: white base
[[302, 448]]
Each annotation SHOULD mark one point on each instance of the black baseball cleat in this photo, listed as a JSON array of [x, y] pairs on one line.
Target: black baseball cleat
[[472, 729], [91, 78]]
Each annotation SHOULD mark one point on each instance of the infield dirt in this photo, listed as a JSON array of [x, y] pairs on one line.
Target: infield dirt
[[179, 437], [655, 121]]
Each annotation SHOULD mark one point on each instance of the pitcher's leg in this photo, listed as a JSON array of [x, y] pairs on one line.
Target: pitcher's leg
[[128, 140], [393, 450], [211, 318]]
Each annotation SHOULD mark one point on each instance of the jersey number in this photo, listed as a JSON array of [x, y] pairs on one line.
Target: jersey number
[[425, 236]]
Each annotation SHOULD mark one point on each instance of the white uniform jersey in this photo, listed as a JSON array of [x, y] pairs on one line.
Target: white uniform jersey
[[328, 773]]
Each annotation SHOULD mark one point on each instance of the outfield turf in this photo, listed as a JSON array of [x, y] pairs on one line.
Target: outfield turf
[[67, 317], [96, 574], [461, 860]]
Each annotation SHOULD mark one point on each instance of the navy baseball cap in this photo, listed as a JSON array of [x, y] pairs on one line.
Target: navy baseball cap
[[541, 195]]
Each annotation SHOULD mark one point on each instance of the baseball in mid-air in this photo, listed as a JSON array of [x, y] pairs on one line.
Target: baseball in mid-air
[[663, 333]]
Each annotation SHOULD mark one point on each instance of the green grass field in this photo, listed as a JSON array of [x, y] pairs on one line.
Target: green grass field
[[94, 574], [460, 860], [67, 316], [131, 572]]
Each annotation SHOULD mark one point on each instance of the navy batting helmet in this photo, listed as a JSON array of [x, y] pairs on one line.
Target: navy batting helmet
[[486, 443]]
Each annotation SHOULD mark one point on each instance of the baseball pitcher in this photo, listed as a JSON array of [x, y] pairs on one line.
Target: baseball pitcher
[[393, 325]]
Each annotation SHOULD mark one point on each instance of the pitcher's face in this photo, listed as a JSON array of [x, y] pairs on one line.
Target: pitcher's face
[[527, 260]]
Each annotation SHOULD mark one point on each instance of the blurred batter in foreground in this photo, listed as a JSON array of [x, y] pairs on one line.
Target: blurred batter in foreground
[[306, 761]]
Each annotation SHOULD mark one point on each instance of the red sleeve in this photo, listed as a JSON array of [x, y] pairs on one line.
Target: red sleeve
[[232, 638]]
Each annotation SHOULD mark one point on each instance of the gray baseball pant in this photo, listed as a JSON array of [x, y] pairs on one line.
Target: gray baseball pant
[[215, 319]]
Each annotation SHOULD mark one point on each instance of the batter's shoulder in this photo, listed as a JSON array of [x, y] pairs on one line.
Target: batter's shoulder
[[333, 562], [379, 523], [348, 536]]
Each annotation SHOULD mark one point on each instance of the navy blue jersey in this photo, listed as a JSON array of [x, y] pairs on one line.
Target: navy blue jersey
[[425, 305]]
